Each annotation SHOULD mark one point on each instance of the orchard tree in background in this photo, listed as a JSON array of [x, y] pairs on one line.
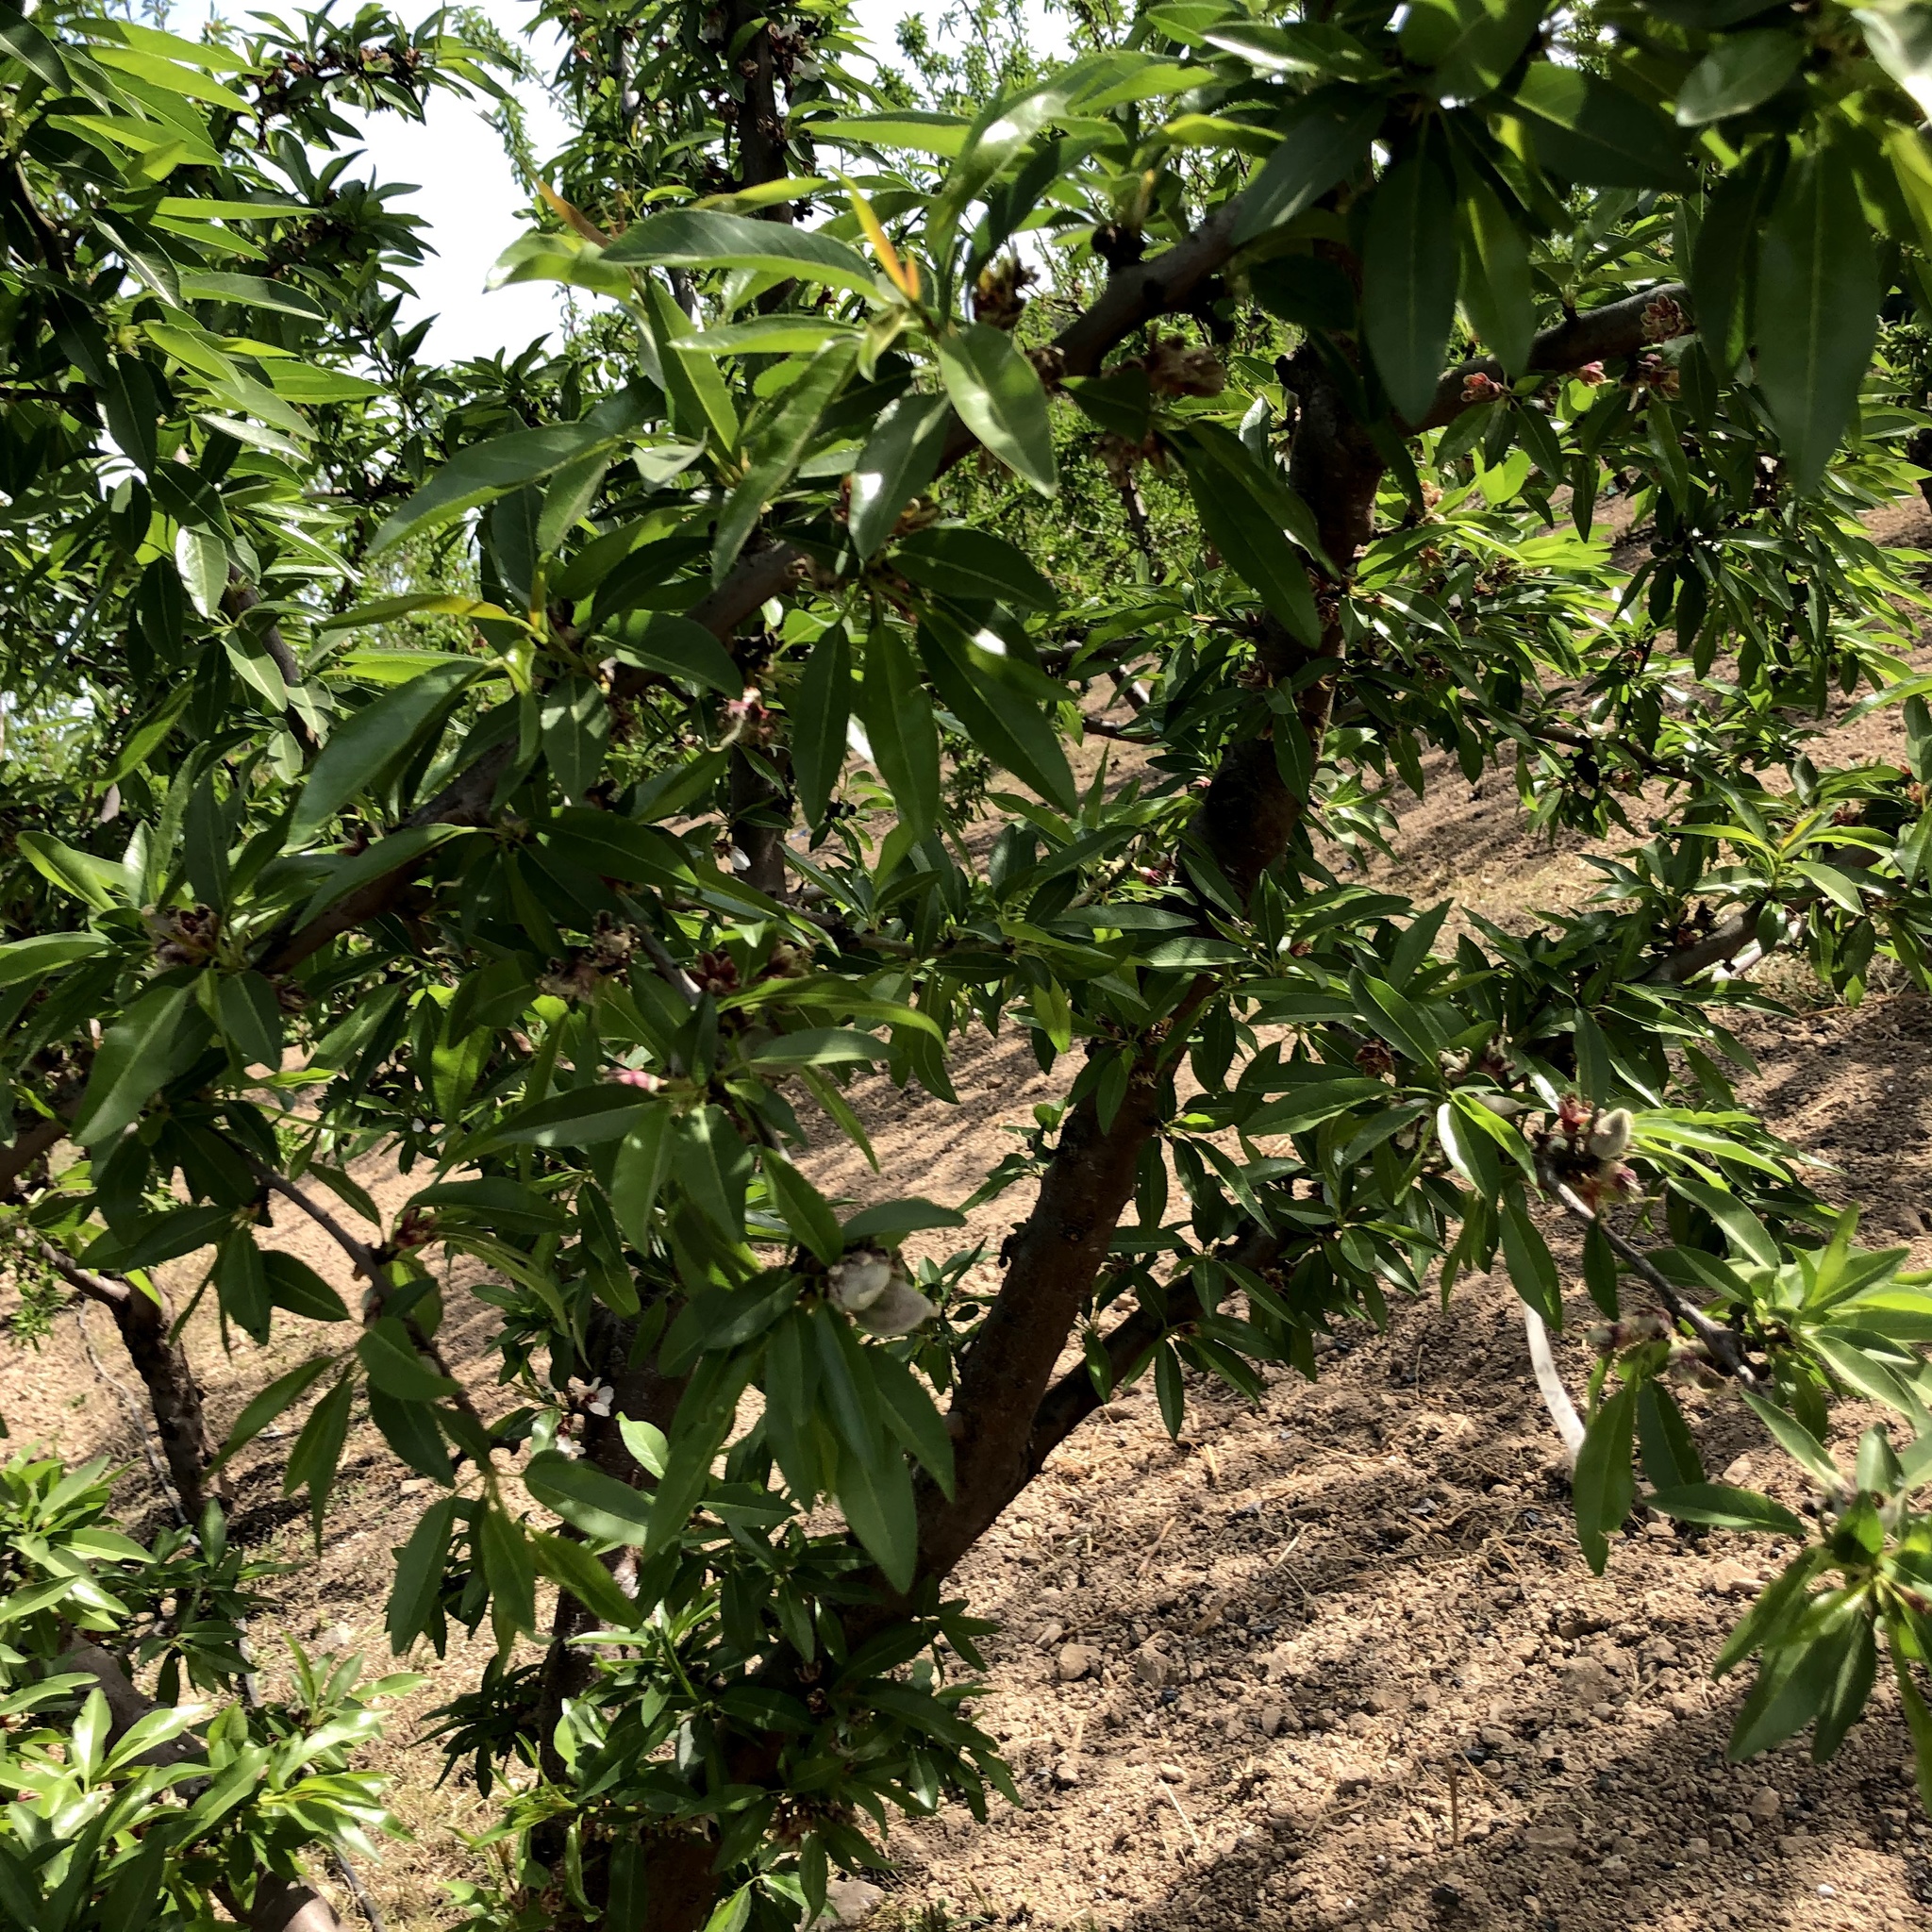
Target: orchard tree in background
[[552, 776]]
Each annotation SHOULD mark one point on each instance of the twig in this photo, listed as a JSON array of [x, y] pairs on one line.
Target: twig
[[1183, 1817], [674, 975], [1723, 1347], [359, 1252], [352, 1880], [96, 1287]]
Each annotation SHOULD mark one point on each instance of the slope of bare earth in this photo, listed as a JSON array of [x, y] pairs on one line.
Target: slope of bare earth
[[1330, 1661]]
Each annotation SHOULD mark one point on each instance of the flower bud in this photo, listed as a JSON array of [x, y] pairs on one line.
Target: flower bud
[[898, 1311], [1610, 1136], [860, 1279]]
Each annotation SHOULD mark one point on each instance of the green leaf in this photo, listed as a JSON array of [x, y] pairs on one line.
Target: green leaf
[[1725, 1507], [1606, 1484], [900, 728], [913, 1416], [251, 1019], [578, 1117], [572, 1568], [395, 1367], [241, 1284], [676, 645], [574, 724], [419, 1563], [159, 1037], [96, 882], [1900, 39], [1238, 507], [974, 565], [1796, 1440], [1409, 282], [1748, 1236], [715, 1166], [296, 1286], [1495, 285], [891, 1220], [875, 1493], [1740, 72], [1007, 726], [280, 1395], [998, 395], [701, 406], [820, 713], [1817, 310], [47, 952], [318, 1450], [410, 1430], [642, 1163], [375, 740], [1327, 140], [899, 459], [807, 1213], [602, 1507], [486, 470], [694, 239], [1796, 1680], [1664, 1439], [350, 874], [1532, 1267], [1471, 45], [780, 449], [510, 1568], [1588, 130]]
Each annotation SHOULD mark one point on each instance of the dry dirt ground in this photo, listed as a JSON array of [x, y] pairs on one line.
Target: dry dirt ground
[[1332, 1661]]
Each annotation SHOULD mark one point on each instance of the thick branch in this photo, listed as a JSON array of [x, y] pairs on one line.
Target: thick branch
[[1595, 336], [465, 801]]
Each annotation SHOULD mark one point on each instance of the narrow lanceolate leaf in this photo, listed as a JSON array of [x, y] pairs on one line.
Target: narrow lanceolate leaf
[[1604, 1485], [1817, 310], [1740, 72], [588, 1500], [780, 450], [1005, 725], [1328, 141], [1234, 500], [820, 711], [157, 1039], [998, 395], [1588, 130], [897, 462], [1409, 282], [486, 469], [1495, 285], [373, 740], [899, 726], [697, 238]]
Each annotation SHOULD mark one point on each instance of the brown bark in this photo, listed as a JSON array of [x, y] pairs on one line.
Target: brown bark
[[174, 1395]]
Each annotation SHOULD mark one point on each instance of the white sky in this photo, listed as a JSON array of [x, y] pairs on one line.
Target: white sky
[[470, 199]]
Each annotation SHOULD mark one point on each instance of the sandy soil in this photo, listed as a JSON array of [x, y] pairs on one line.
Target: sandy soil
[[1330, 1661]]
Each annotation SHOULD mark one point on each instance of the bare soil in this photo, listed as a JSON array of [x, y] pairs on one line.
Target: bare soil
[[1330, 1661]]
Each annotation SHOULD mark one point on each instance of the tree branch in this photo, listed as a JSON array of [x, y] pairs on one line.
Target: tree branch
[[1594, 335], [1725, 1350], [238, 600]]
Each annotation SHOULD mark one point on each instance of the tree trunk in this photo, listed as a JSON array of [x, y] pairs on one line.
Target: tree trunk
[[173, 1393]]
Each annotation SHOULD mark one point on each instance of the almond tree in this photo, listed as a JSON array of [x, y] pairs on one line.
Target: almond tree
[[602, 870]]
